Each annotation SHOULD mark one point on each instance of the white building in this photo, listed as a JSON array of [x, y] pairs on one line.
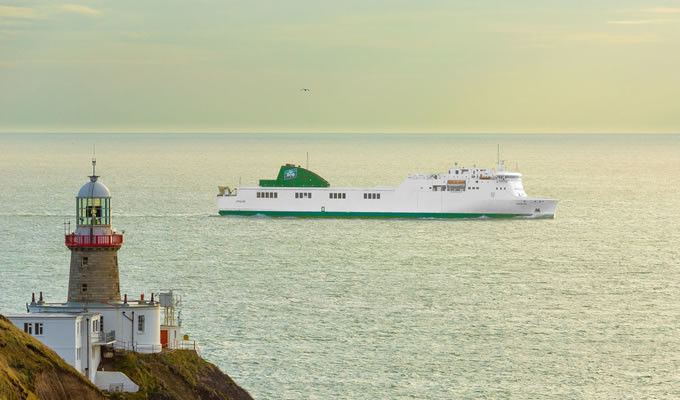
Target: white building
[[76, 337], [94, 318]]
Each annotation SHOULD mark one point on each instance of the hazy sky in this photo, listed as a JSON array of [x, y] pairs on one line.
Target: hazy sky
[[371, 65]]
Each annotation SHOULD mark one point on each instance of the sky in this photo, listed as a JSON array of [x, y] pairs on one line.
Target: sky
[[520, 66]]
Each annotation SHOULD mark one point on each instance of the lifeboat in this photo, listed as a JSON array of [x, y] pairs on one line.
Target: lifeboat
[[484, 177], [456, 182]]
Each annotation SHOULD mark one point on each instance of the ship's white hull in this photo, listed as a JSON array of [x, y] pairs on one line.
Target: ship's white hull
[[385, 202]]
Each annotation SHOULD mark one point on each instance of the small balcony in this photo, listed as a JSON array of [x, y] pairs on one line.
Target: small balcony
[[113, 240], [103, 338]]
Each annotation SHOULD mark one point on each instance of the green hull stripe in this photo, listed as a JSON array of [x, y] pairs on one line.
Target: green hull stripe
[[333, 214]]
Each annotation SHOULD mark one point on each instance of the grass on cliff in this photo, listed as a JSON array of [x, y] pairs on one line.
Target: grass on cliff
[[179, 374]]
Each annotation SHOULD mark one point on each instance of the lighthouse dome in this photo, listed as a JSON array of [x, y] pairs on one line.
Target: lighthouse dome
[[94, 189]]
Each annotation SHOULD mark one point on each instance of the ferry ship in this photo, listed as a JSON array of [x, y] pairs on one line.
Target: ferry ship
[[458, 193]]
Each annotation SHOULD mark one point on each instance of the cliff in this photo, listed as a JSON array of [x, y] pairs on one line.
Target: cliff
[[179, 374], [31, 370]]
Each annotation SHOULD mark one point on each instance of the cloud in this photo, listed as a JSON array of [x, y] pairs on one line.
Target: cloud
[[78, 9], [20, 12], [34, 13], [608, 38], [639, 22], [662, 10]]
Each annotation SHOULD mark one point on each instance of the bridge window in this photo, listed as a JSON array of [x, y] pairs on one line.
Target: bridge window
[[140, 323]]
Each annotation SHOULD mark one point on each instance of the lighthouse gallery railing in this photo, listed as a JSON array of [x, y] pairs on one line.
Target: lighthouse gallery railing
[[113, 240]]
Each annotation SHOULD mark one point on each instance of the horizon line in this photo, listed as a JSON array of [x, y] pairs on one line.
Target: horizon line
[[158, 132]]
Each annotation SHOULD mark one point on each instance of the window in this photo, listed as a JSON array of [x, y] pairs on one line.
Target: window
[[140, 323], [101, 323], [344, 195], [330, 195], [38, 328], [309, 195], [85, 260], [83, 288], [28, 328], [378, 196], [276, 195], [94, 325], [297, 195], [365, 195], [258, 195]]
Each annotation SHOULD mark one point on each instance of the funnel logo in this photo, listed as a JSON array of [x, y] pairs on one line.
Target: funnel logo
[[290, 174]]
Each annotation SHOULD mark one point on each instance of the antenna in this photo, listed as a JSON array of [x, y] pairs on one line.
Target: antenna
[[498, 156], [94, 163]]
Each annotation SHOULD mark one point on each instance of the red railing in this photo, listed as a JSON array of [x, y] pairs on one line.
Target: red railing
[[114, 240]]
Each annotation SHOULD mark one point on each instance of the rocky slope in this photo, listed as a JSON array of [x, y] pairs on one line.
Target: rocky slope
[[179, 374]]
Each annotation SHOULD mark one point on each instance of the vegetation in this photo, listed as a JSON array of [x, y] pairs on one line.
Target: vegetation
[[179, 374]]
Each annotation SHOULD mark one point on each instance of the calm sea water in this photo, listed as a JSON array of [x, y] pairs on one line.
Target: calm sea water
[[583, 306]]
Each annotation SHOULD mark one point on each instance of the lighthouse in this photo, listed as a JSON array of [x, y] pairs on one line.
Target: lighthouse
[[94, 247], [96, 320]]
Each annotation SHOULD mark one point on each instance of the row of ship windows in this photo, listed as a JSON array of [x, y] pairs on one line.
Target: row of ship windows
[[307, 195]]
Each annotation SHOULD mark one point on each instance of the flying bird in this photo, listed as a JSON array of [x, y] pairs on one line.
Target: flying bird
[[305, 90]]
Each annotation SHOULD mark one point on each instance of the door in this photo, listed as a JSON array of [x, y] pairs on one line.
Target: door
[[164, 338]]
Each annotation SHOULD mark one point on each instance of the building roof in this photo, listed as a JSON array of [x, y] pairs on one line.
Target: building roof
[[44, 315], [94, 189]]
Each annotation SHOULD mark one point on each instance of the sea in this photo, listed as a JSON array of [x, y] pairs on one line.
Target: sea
[[585, 305]]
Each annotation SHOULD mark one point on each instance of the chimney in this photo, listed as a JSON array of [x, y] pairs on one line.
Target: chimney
[[41, 299], [125, 299], [33, 298]]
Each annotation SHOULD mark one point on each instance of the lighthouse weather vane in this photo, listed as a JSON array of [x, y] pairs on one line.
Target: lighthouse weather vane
[[94, 164]]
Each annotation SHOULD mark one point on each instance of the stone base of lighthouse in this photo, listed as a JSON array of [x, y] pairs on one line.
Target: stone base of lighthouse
[[94, 275]]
